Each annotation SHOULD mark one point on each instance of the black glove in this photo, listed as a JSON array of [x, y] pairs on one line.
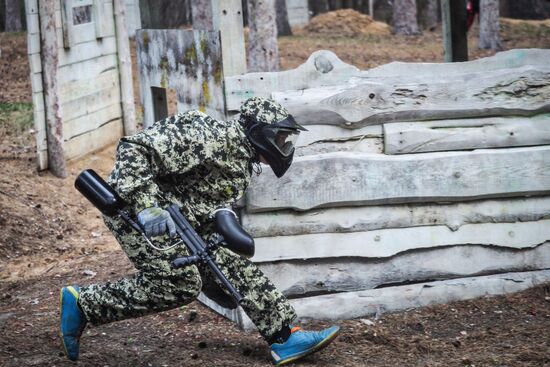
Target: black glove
[[156, 221]]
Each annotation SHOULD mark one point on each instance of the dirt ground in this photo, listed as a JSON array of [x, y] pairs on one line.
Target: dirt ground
[[50, 237]]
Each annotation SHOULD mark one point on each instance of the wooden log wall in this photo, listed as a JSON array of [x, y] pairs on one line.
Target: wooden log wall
[[88, 76], [430, 174]]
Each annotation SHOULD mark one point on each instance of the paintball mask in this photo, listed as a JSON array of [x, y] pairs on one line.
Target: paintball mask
[[272, 131]]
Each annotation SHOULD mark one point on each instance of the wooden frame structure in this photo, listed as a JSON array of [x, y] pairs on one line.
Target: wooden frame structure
[[93, 84]]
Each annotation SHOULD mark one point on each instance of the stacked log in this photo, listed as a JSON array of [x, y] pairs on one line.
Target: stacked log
[[415, 184]]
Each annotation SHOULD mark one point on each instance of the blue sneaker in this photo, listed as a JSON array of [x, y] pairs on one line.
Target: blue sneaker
[[301, 343], [72, 321]]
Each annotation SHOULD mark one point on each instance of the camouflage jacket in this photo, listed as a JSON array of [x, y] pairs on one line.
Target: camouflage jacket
[[189, 159]]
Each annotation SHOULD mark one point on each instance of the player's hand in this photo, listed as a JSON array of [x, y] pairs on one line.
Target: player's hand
[[156, 221]]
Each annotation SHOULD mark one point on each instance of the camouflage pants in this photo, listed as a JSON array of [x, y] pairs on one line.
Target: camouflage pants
[[157, 287]]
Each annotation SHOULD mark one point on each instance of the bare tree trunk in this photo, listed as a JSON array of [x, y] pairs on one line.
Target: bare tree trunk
[[404, 17], [283, 26], [125, 68], [489, 36], [371, 8], [202, 14], [263, 51], [50, 61], [431, 14], [13, 16]]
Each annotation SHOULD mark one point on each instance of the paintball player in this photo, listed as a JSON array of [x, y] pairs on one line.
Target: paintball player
[[200, 164]]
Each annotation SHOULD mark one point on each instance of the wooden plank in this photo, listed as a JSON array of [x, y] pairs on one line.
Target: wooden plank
[[81, 88], [350, 305], [88, 50], [419, 71], [94, 140], [368, 218], [376, 301], [314, 277], [36, 82], [31, 7], [87, 69], [348, 178], [90, 103], [33, 43], [389, 242], [364, 145], [227, 16], [508, 92], [38, 101], [463, 134], [322, 68], [33, 23], [189, 62], [327, 133], [91, 121]]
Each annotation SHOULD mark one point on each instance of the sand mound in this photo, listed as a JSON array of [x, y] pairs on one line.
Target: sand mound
[[345, 22]]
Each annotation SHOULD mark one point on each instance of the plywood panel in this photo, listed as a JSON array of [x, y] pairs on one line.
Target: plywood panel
[[189, 62]]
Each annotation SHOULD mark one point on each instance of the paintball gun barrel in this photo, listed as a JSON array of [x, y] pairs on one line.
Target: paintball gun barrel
[[104, 198]]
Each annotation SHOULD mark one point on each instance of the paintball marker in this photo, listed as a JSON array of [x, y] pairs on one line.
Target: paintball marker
[[104, 198]]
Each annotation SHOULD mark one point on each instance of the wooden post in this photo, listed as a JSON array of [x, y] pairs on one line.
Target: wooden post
[[228, 19], [50, 61], [371, 8], [125, 69], [455, 41]]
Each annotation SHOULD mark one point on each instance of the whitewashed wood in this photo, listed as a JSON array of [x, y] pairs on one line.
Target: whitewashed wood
[[314, 277], [520, 91], [368, 218], [33, 23], [125, 69], [350, 305], [90, 103], [88, 50], [87, 69], [327, 133], [462, 134], [103, 17], [82, 87], [228, 19], [33, 43], [363, 145], [94, 140], [38, 102], [92, 121], [389, 242], [31, 7], [189, 62], [321, 68], [36, 82], [348, 178], [510, 59], [298, 12]]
